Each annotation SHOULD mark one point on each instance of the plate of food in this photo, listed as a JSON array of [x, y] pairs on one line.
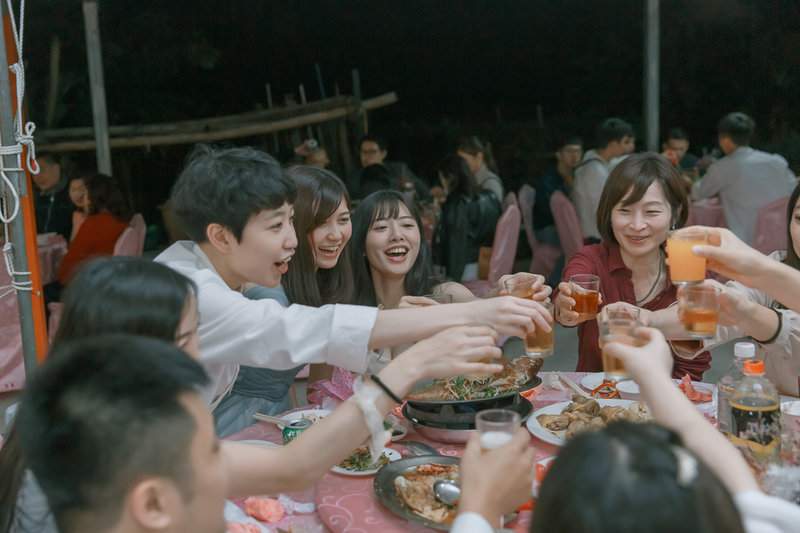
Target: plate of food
[[518, 375], [405, 487], [315, 415], [558, 422], [359, 462]]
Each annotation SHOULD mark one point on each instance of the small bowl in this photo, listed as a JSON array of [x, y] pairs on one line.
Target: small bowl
[[629, 390], [398, 432]]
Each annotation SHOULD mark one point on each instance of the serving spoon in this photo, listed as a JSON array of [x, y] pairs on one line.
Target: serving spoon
[[447, 491]]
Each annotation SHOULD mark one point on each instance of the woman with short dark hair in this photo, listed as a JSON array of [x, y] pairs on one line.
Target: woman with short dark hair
[[642, 200]]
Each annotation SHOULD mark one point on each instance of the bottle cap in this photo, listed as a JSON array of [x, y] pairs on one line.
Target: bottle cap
[[753, 366], [744, 350]]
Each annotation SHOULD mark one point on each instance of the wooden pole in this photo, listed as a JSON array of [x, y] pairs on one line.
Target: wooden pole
[[52, 89], [227, 133], [651, 74], [97, 86]]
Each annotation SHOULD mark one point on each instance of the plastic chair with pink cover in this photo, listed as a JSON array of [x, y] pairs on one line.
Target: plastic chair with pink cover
[[137, 223], [131, 242], [771, 227], [567, 223], [544, 255], [127, 243], [510, 199], [504, 250]]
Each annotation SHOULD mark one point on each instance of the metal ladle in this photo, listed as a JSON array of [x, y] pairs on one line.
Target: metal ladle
[[446, 491]]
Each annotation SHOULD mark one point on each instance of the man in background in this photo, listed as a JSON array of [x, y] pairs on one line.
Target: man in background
[[373, 151], [53, 206], [556, 178], [677, 144], [745, 179], [615, 138]]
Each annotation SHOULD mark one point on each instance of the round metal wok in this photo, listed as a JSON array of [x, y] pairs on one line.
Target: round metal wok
[[387, 493], [501, 400], [441, 428]]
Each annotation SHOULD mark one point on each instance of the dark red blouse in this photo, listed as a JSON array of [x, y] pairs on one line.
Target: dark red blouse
[[616, 286]]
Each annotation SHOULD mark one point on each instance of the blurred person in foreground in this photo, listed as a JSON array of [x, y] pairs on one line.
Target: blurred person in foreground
[[676, 474]]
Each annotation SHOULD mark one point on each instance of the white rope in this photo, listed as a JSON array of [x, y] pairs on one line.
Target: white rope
[[22, 137]]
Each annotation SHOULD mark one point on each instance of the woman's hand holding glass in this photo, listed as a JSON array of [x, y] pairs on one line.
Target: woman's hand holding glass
[[565, 305], [541, 291], [511, 315]]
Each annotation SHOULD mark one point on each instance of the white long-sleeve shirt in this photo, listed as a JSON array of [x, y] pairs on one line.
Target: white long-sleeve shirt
[[235, 330], [745, 181]]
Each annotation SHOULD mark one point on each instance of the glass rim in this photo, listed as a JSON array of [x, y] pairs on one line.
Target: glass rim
[[699, 287], [584, 277], [509, 413], [684, 234]]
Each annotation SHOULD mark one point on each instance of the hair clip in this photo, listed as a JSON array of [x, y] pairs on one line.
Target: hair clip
[[687, 466]]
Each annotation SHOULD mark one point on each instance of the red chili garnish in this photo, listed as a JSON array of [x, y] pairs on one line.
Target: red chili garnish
[[606, 390]]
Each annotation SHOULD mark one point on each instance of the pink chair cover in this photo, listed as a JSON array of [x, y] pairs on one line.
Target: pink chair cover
[[544, 255], [138, 225], [567, 223], [128, 243], [527, 198], [504, 250], [510, 199], [771, 227]]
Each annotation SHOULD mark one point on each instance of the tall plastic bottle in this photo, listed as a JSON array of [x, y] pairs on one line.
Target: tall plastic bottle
[[756, 418], [741, 352]]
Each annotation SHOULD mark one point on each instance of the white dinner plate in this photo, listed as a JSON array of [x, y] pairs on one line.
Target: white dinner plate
[[314, 415], [391, 454], [557, 437], [592, 381]]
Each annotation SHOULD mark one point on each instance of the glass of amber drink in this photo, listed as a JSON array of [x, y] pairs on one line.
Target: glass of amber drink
[[617, 330], [496, 427], [684, 267], [539, 343], [698, 310], [586, 293]]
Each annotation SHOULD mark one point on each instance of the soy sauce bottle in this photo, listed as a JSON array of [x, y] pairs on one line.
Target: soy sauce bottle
[[755, 420]]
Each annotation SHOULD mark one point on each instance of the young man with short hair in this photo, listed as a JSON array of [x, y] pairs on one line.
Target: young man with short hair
[[236, 206], [745, 179], [615, 138]]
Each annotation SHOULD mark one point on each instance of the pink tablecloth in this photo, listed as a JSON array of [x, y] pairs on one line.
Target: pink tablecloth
[[12, 372], [348, 504], [707, 212]]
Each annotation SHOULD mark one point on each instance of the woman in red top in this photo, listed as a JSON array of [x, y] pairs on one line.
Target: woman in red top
[[108, 216], [642, 199]]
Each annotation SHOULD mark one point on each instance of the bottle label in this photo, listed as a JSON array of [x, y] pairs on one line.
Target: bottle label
[[724, 409], [756, 431]]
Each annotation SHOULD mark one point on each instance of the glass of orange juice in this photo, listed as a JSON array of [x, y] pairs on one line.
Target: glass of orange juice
[[698, 310], [586, 293], [617, 330], [685, 267]]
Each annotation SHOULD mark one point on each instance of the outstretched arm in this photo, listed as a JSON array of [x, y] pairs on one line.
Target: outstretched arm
[[650, 365], [254, 470], [732, 258], [509, 315]]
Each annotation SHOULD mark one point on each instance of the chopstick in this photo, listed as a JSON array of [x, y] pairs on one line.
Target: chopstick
[[571, 384], [271, 419]]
